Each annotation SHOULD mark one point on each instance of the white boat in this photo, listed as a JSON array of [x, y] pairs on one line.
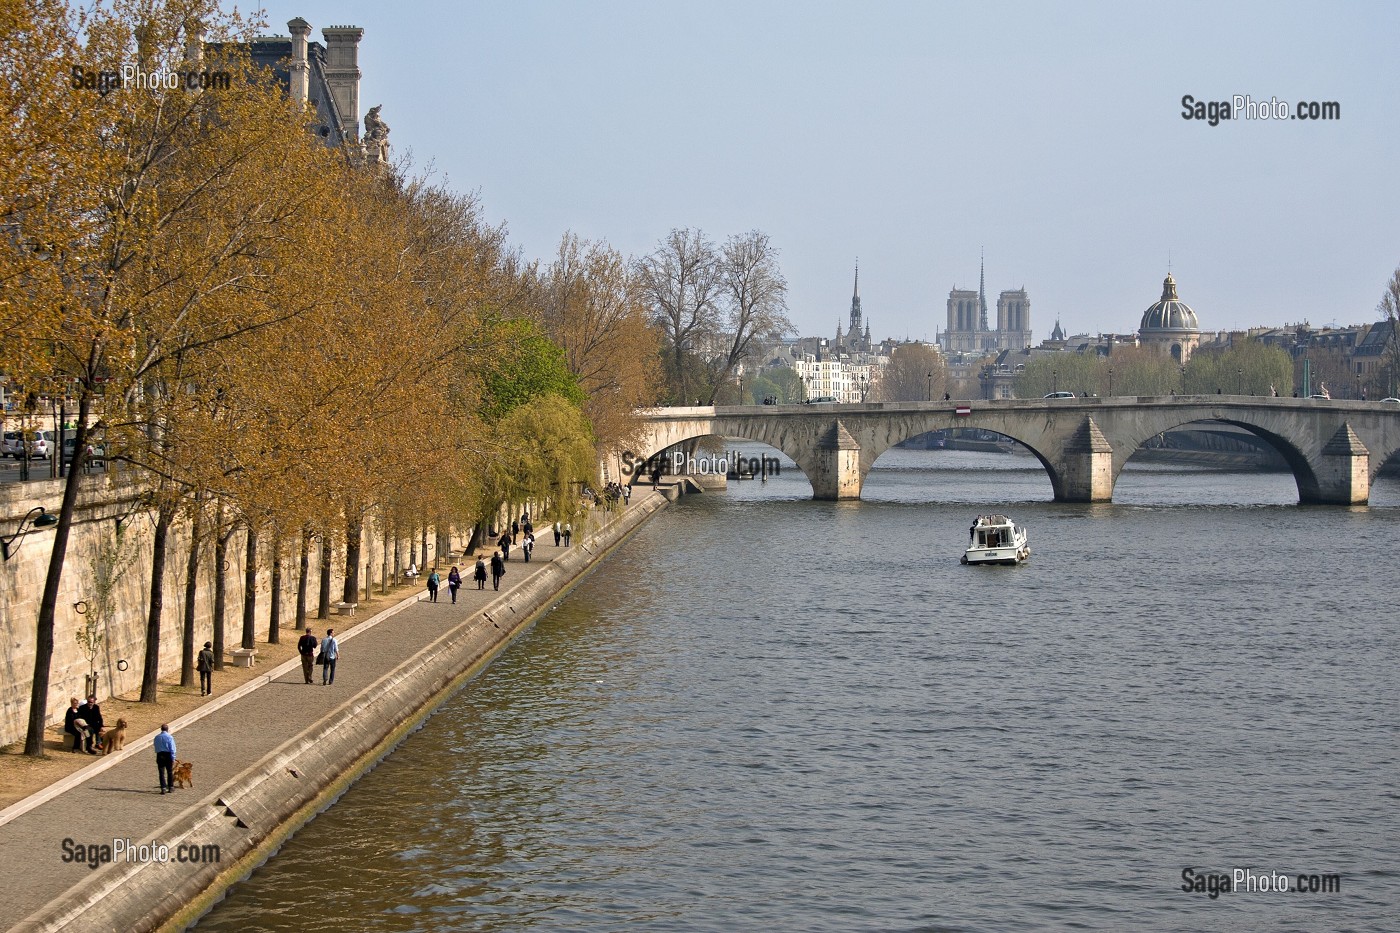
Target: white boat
[[996, 540]]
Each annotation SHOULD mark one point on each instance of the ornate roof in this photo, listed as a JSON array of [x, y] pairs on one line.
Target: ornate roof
[[1170, 313]]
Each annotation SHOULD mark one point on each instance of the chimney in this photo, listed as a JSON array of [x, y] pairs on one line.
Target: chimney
[[343, 75], [301, 71], [194, 44]]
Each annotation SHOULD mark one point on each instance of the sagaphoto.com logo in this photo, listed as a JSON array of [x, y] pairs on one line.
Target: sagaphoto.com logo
[[105, 82], [1245, 107]]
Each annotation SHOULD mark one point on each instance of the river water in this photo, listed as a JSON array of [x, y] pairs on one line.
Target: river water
[[768, 713]]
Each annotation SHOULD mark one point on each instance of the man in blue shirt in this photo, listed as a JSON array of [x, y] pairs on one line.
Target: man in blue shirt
[[165, 758]]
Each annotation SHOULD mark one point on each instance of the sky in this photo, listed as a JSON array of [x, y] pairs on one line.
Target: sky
[[916, 136]]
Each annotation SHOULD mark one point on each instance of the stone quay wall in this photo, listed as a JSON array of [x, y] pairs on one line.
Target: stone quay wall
[[103, 501]]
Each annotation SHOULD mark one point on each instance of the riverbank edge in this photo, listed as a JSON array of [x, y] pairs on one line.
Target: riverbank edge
[[254, 814]]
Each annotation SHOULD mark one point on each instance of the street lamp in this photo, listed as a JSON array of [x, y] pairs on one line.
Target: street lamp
[[1110, 382], [930, 386], [1183, 380], [1054, 380], [1239, 382], [38, 517]]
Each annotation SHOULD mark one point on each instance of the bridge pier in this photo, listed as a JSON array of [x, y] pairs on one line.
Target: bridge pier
[[1085, 467], [1343, 471], [835, 468]]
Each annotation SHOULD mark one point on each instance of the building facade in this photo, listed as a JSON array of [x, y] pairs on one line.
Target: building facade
[[968, 329]]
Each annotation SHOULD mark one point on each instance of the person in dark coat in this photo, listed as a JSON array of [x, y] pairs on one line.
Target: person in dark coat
[[91, 714], [306, 647], [498, 570], [480, 573], [205, 666], [504, 545], [454, 583]]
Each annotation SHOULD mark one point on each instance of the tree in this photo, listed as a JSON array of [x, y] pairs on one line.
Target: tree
[[905, 378], [1389, 309], [680, 281], [755, 302]]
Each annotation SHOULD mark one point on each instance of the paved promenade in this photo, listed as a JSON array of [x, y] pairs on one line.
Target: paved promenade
[[118, 797]]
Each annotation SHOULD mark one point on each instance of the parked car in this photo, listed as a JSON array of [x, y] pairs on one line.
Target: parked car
[[1392, 400], [1060, 395], [821, 399], [40, 444]]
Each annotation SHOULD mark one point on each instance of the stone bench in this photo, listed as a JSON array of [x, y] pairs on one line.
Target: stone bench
[[244, 657], [346, 609]]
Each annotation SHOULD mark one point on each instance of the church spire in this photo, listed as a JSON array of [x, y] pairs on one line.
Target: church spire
[[982, 291], [854, 330]]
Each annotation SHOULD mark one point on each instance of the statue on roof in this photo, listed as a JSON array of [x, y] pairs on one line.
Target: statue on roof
[[376, 134]]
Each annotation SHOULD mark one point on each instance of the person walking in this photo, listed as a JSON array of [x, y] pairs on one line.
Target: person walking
[[306, 647], [568, 533], [504, 544], [205, 666], [498, 570], [91, 714], [626, 494], [165, 758], [330, 653], [75, 725], [480, 574], [433, 581], [557, 534], [454, 583]]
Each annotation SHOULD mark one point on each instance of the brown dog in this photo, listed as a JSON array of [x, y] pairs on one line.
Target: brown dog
[[184, 774], [113, 739]]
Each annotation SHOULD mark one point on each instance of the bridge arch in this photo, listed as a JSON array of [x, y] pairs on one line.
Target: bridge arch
[[903, 430], [699, 429]]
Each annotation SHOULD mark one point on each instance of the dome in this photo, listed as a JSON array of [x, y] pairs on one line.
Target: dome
[[1170, 313]]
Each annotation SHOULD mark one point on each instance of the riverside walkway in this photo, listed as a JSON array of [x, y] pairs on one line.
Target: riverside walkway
[[117, 797]]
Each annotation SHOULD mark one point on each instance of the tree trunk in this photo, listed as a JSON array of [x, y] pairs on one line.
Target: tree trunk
[[354, 531], [274, 615], [187, 636], [384, 559], [220, 590], [323, 611], [48, 603], [250, 586], [150, 670], [474, 541], [303, 566], [424, 566]]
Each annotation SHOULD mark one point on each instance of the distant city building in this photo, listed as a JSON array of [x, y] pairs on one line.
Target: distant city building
[[845, 368], [969, 332], [1170, 325]]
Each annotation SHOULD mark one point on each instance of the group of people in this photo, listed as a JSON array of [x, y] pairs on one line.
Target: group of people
[[323, 654], [84, 723]]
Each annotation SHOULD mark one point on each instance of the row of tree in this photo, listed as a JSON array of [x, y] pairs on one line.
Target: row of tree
[[269, 337]]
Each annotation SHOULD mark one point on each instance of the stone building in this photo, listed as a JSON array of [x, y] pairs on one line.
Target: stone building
[[969, 331], [1169, 325]]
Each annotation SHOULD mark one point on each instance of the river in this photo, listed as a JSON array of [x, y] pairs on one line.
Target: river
[[769, 713]]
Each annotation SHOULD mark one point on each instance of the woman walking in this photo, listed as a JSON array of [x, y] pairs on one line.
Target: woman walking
[[454, 582], [480, 573], [433, 581]]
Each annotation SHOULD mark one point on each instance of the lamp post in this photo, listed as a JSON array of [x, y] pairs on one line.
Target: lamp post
[[1110, 382], [1054, 380], [930, 386], [38, 517], [1239, 382], [1358, 385], [1183, 380]]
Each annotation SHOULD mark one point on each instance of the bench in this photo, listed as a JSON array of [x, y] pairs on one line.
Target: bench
[[346, 609], [244, 657]]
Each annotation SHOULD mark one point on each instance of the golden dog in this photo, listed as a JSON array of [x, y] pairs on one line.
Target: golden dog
[[184, 774], [113, 739]]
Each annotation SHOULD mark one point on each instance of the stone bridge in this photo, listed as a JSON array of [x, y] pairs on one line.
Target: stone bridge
[[1334, 448]]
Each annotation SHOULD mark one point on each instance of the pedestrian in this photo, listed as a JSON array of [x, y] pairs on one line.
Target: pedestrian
[[454, 583], [433, 581], [306, 647], [557, 534], [526, 525], [515, 529], [91, 714], [205, 666], [165, 758], [627, 494], [568, 533], [972, 532], [527, 546], [330, 653], [480, 574], [504, 544], [498, 570], [655, 476], [75, 725]]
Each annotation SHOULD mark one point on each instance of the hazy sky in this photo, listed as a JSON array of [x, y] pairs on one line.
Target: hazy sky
[[914, 135]]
